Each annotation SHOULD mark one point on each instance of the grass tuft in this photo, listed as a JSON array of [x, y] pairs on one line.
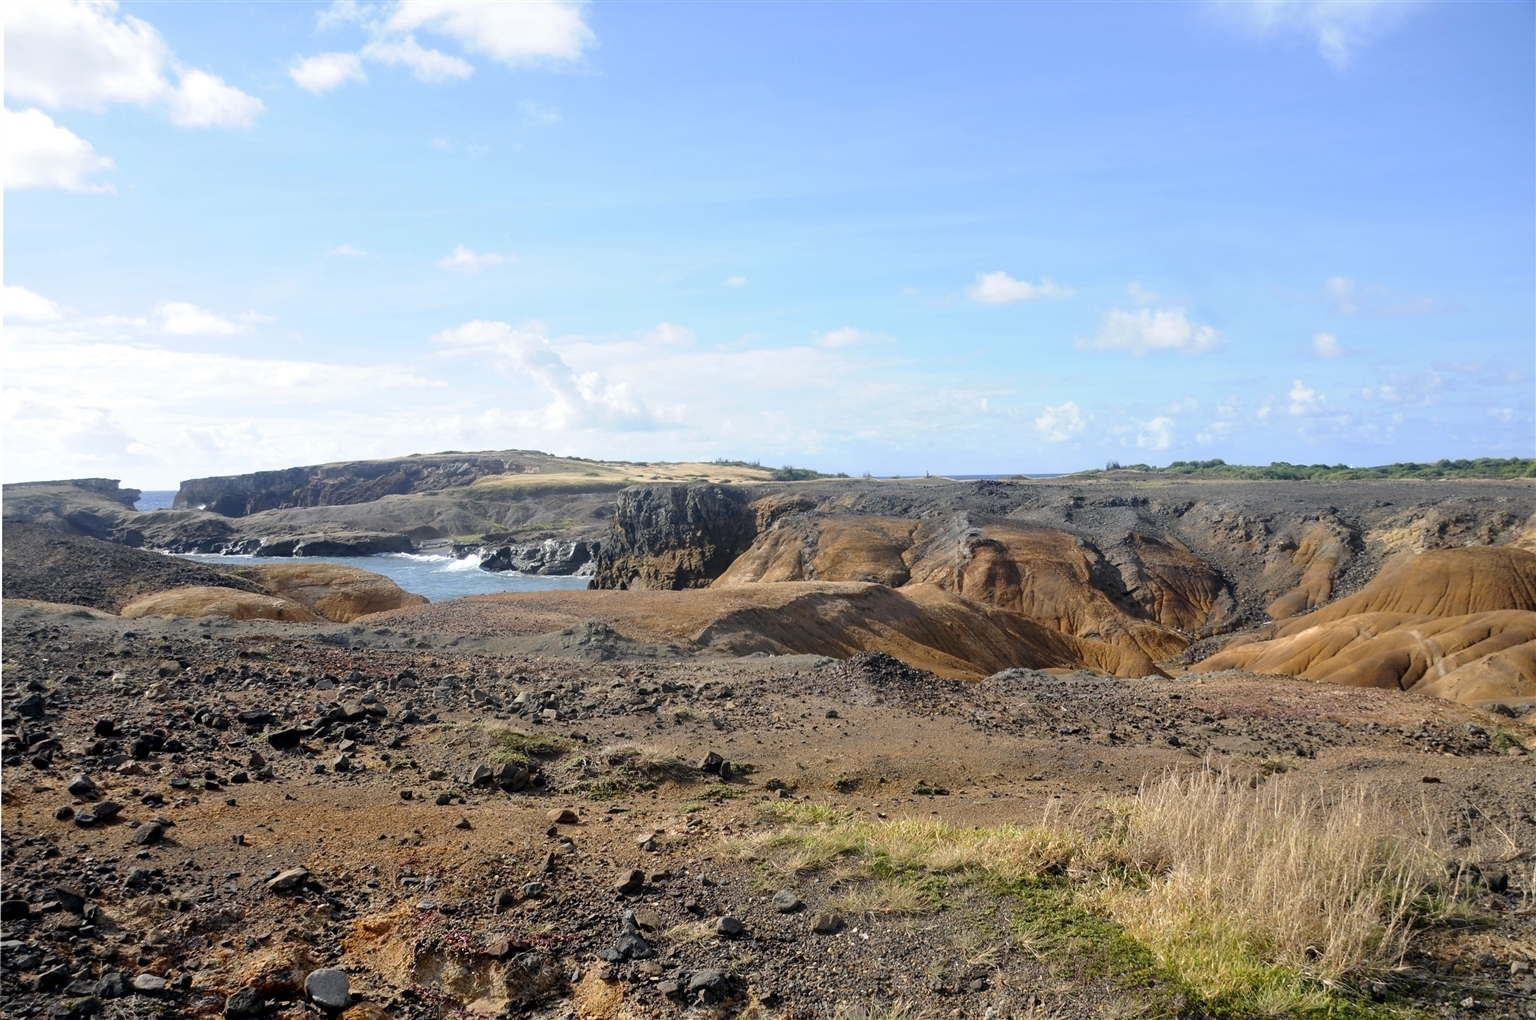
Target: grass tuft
[[1203, 893], [523, 748]]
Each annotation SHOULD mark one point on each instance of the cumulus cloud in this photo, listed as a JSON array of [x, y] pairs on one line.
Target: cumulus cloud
[[463, 260], [582, 400], [424, 64], [326, 71], [1341, 295], [848, 336], [514, 34], [88, 396], [178, 318], [22, 305], [1001, 289], [734, 281], [670, 334], [1147, 331], [1139, 294], [40, 154], [82, 55], [1156, 434], [1326, 345], [1060, 423], [1304, 400], [537, 113], [347, 250], [1338, 28], [519, 33]]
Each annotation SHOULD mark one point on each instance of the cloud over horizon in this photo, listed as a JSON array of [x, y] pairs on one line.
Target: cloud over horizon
[[1148, 331]]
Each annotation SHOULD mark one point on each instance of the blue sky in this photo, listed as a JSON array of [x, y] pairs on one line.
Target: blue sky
[[890, 238]]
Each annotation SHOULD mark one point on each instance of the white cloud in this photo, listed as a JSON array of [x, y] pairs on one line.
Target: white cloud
[[1157, 434], [462, 260], [1305, 400], [1326, 345], [1141, 295], [178, 318], [425, 64], [1145, 331], [90, 396], [515, 34], [670, 334], [1060, 423], [327, 71], [1336, 27], [734, 281], [40, 154], [580, 400], [537, 113], [1504, 415], [204, 100], [512, 33], [83, 55], [1001, 289], [848, 336], [1341, 295], [23, 305], [349, 251]]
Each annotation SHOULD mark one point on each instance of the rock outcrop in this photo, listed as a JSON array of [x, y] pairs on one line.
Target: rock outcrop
[[672, 537], [549, 557], [920, 624], [334, 592], [54, 566], [200, 600], [1457, 623], [342, 483]]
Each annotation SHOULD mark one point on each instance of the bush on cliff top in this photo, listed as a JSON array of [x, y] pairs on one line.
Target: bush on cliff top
[[1281, 471]]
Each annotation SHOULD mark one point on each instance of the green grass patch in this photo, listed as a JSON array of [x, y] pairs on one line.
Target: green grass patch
[[1480, 467], [523, 748], [1503, 740]]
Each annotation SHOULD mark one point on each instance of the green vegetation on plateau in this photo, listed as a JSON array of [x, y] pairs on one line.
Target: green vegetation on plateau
[[1280, 471]]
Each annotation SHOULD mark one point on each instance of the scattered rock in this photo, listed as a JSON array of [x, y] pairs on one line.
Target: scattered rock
[[563, 816], [243, 1003], [730, 926], [81, 785], [328, 988], [785, 901], [149, 984], [630, 882], [827, 922], [288, 880], [148, 835]]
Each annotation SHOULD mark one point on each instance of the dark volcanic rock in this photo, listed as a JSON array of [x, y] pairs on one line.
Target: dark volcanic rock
[[675, 536], [52, 566]]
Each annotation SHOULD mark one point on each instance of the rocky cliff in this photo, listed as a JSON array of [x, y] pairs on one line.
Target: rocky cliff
[[673, 537], [1157, 571], [343, 483]]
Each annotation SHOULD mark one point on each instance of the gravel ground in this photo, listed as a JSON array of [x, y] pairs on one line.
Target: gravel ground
[[289, 807]]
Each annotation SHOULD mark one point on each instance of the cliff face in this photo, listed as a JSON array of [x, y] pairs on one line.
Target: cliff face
[[340, 484], [673, 537]]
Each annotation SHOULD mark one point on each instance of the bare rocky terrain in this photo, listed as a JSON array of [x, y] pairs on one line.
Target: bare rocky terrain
[[837, 749], [195, 809]]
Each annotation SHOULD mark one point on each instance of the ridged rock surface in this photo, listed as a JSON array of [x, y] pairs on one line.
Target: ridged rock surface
[[199, 600], [919, 624], [332, 591], [1458, 624]]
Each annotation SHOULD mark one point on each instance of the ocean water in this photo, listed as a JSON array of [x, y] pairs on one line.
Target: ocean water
[[439, 578], [156, 499]]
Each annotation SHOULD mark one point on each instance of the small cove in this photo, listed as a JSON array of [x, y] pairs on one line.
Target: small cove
[[439, 578]]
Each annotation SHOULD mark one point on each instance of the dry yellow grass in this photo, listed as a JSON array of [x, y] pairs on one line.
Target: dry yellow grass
[[1318, 882], [1259, 895], [599, 476]]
